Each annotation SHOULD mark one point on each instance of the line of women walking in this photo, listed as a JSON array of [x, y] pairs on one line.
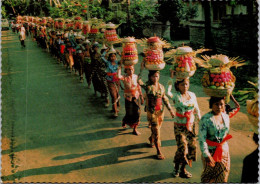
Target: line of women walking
[[103, 70]]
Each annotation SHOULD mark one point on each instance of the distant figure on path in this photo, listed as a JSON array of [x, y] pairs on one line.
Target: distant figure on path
[[133, 96], [22, 35]]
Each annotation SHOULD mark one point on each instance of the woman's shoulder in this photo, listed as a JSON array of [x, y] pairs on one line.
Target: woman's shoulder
[[192, 94], [206, 116]]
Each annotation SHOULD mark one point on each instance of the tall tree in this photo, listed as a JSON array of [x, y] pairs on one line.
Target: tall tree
[[209, 42]]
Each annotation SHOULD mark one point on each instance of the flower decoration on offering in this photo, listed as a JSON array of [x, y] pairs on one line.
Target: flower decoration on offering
[[38, 20], [154, 58], [218, 80], [19, 18], [44, 21], [60, 23], [183, 61], [25, 18], [129, 54], [95, 24], [68, 24], [77, 23], [86, 27], [34, 20]]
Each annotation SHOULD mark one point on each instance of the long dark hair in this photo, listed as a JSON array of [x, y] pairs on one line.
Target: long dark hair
[[110, 56], [151, 73], [176, 84], [213, 100]]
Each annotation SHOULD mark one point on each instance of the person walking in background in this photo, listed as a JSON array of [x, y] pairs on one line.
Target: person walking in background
[[113, 81], [133, 95], [155, 100], [22, 36], [187, 114], [87, 62], [213, 136]]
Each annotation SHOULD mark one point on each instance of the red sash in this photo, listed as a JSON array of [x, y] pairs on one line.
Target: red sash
[[132, 91], [114, 75], [218, 153], [158, 104], [186, 115]]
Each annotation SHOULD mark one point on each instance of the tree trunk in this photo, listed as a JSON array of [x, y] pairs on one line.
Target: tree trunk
[[209, 43]]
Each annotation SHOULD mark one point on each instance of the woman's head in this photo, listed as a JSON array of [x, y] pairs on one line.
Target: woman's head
[[102, 50], [217, 104], [154, 76], [95, 47], [112, 57], [182, 85], [129, 70]]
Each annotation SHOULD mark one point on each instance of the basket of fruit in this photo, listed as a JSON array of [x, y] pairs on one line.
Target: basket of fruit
[[252, 109], [183, 61], [110, 33], [129, 54], [218, 80], [249, 97], [154, 66], [154, 57]]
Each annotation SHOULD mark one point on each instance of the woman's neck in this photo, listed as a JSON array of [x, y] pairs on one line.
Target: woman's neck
[[184, 92], [216, 114]]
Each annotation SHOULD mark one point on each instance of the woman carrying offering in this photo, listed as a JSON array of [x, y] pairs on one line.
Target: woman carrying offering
[[87, 62], [132, 93], [96, 66], [113, 81], [213, 136], [155, 101], [187, 114]]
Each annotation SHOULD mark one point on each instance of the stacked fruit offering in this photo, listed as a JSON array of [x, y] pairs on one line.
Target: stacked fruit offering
[[68, 24], [185, 64], [130, 54], [110, 33], [217, 78], [86, 27], [77, 23], [154, 54], [44, 21]]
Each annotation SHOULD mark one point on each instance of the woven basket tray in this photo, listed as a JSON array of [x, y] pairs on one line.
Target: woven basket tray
[[253, 120], [183, 75], [218, 92], [130, 62], [155, 66]]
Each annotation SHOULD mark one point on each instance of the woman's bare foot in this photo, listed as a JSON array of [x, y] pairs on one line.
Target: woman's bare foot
[[135, 132]]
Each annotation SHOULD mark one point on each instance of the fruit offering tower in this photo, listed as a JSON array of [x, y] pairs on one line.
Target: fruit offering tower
[[183, 61], [68, 25], [86, 28], [130, 54], [218, 80], [110, 33], [154, 58], [77, 24], [94, 30]]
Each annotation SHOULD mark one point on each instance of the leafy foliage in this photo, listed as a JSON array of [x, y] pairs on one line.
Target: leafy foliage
[[142, 14]]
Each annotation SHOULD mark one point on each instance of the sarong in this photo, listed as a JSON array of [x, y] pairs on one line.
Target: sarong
[[132, 109], [155, 119], [219, 173], [186, 144]]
